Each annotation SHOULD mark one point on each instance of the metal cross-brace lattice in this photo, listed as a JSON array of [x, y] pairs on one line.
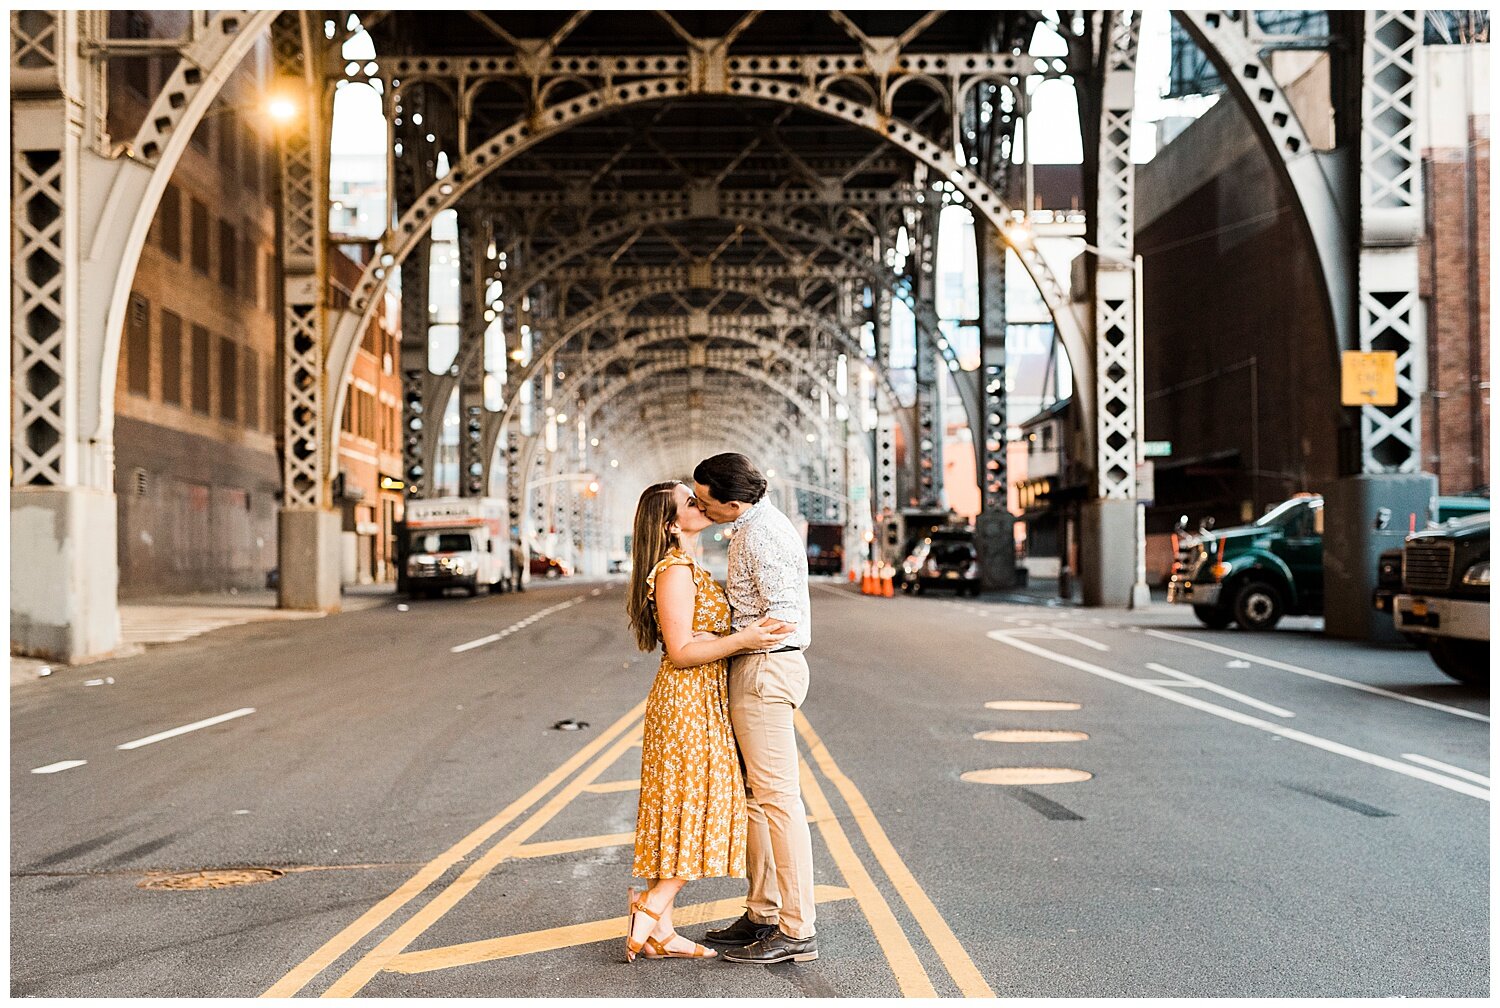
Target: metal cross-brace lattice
[[1390, 311], [296, 44], [1110, 96], [706, 69]]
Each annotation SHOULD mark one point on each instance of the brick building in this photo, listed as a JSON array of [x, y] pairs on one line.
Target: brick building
[[1239, 361], [198, 388], [370, 490], [198, 391], [1455, 266]]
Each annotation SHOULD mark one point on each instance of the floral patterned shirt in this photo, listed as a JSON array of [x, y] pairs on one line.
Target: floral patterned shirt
[[768, 572]]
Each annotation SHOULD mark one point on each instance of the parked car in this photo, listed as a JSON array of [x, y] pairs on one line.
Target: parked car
[[1253, 575], [619, 566], [944, 558], [1446, 598], [1388, 570], [549, 567]]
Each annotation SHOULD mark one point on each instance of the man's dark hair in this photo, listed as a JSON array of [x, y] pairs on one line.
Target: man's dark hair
[[731, 477]]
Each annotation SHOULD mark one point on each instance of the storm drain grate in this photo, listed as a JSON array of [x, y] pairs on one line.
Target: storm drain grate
[[209, 878]]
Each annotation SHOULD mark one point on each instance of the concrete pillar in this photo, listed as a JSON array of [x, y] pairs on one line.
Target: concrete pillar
[[1352, 546], [64, 574], [1107, 551], [308, 557]]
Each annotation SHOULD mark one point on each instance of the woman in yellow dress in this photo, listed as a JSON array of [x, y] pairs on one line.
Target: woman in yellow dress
[[690, 823]]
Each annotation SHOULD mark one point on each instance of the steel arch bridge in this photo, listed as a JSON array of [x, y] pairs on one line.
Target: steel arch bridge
[[723, 205]]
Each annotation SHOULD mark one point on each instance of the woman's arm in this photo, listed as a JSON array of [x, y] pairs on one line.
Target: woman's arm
[[675, 595]]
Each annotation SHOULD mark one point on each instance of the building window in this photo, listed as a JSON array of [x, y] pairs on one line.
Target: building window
[[169, 222], [252, 388], [229, 147], [251, 161], [252, 274], [229, 380], [137, 69], [200, 237], [171, 358], [201, 370], [138, 346], [229, 247]]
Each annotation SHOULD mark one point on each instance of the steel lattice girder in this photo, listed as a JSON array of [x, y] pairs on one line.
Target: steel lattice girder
[[694, 73]]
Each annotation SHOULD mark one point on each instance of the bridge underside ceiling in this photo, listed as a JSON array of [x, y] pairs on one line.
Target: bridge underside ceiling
[[714, 206]]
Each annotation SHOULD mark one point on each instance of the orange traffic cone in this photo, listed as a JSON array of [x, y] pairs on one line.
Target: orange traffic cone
[[867, 585], [854, 575], [887, 583]]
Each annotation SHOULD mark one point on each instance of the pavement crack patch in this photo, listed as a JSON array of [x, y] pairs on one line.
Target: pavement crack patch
[[1347, 803], [1046, 806]]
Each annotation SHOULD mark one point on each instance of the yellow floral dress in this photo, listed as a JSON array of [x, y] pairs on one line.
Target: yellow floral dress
[[690, 823]]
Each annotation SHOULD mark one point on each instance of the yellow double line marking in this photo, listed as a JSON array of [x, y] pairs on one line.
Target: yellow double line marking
[[346, 939], [390, 953]]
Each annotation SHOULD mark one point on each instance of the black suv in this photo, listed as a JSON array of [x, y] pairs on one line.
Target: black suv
[[944, 558], [1445, 573]]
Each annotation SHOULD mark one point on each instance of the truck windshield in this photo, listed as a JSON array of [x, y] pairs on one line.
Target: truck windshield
[[1286, 512], [441, 542]]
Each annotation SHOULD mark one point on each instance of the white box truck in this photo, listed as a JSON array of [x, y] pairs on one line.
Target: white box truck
[[455, 542]]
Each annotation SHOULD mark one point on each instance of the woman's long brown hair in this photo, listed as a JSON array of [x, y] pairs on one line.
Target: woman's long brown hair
[[649, 542]]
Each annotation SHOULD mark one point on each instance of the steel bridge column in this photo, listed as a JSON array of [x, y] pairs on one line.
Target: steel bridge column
[[309, 529], [64, 573], [472, 269], [1112, 520], [1390, 189], [995, 527], [1390, 318], [889, 491], [415, 277], [929, 425]]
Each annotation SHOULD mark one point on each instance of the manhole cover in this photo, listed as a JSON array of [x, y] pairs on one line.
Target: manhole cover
[[1026, 775], [1031, 735], [214, 878], [1033, 705]]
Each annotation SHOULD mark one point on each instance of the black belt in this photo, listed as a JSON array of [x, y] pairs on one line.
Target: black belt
[[781, 649]]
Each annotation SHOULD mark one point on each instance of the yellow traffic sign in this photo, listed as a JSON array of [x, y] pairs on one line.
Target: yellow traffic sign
[[1369, 378]]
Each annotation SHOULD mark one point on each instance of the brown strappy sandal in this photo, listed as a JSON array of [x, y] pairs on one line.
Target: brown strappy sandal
[[637, 905], [662, 952]]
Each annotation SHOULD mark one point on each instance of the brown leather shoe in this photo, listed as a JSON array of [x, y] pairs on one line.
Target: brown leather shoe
[[774, 948], [742, 932]]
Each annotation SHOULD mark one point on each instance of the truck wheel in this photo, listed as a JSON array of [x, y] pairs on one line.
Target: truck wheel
[[472, 588], [1464, 660], [1257, 606], [1213, 617]]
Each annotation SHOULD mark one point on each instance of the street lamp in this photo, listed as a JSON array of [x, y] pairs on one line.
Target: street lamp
[[1140, 592]]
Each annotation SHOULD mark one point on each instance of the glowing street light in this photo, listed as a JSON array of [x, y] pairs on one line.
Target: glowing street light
[[281, 109]]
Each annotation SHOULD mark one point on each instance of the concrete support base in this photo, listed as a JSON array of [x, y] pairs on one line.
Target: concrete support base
[[1107, 552], [1352, 547], [64, 573], [309, 551], [994, 533]]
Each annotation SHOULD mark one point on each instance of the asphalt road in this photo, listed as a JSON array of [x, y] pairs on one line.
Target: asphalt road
[[1296, 817]]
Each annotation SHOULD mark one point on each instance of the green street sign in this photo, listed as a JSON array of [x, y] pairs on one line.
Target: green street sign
[[1156, 449]]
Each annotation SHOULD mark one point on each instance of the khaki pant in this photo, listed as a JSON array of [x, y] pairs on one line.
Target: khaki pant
[[764, 691]]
